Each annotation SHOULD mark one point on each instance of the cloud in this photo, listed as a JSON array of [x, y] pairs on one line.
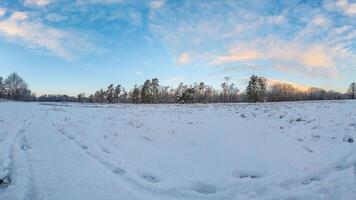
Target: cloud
[[291, 37], [237, 56], [39, 3], [316, 56], [18, 16], [19, 28], [2, 11], [345, 6], [138, 73], [156, 4], [320, 21], [184, 59], [277, 19], [307, 55], [351, 10], [311, 59], [99, 1], [53, 17]]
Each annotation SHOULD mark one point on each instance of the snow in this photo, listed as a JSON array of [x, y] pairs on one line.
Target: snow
[[291, 150]]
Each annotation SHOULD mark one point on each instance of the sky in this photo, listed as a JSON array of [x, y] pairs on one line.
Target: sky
[[73, 46]]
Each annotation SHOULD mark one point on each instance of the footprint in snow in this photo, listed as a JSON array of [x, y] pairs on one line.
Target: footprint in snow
[[119, 171], [204, 188], [241, 174], [5, 182], [71, 137], [342, 166], [61, 131], [310, 180], [146, 138], [150, 178], [25, 145], [83, 146], [105, 150]]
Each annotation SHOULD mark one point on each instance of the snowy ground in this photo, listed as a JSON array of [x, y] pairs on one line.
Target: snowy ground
[[299, 150]]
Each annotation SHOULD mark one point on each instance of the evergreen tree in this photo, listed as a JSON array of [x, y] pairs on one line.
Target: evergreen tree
[[136, 95], [81, 97], [101, 96], [146, 92], [252, 89], [256, 89], [154, 90], [117, 92], [186, 96], [2, 88], [109, 95], [262, 88]]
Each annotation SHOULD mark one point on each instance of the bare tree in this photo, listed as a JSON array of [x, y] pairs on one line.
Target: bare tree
[[282, 92], [16, 88], [352, 90]]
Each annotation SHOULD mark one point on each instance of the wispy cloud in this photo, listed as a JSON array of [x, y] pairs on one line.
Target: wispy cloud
[[138, 73], [237, 55], [293, 56], [18, 27], [184, 59], [345, 6], [2, 11], [292, 37], [99, 1], [37, 2], [156, 4], [308, 38]]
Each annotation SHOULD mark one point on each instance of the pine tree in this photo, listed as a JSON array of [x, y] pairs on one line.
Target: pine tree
[[136, 95], [256, 89], [262, 88], [101, 96], [81, 97], [109, 95], [2, 88], [117, 92], [252, 90], [146, 92], [186, 96], [154, 90]]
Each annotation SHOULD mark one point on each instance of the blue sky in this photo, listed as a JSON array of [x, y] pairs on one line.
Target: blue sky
[[72, 46]]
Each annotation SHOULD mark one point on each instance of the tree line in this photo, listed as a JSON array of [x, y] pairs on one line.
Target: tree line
[[257, 91], [151, 92]]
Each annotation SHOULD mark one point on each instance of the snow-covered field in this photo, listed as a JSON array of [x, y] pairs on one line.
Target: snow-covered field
[[294, 150]]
